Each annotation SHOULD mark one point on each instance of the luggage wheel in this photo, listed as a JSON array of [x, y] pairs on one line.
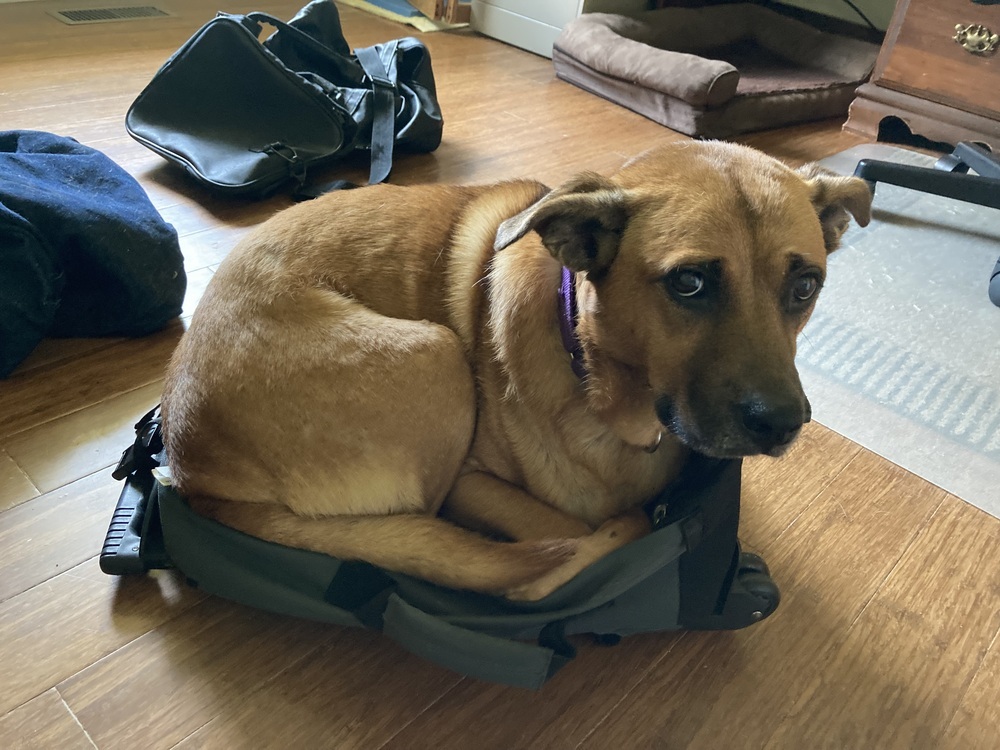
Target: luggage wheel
[[751, 563], [762, 590]]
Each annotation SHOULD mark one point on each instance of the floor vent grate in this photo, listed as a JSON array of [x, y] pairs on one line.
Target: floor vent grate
[[109, 15]]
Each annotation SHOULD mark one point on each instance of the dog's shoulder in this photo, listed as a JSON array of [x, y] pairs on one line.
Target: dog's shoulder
[[472, 251]]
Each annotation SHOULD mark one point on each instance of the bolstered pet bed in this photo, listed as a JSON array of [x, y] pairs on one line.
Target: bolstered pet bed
[[714, 71]]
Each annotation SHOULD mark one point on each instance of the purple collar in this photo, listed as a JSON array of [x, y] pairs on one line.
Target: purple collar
[[567, 322]]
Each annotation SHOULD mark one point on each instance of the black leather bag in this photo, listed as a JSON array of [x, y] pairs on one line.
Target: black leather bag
[[245, 117]]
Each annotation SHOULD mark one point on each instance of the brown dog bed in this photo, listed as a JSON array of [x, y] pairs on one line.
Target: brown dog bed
[[714, 71]]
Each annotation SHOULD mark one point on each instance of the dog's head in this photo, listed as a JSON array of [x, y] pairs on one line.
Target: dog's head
[[703, 262]]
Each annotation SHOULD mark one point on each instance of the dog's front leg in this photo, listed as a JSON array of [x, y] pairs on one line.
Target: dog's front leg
[[484, 503], [613, 534]]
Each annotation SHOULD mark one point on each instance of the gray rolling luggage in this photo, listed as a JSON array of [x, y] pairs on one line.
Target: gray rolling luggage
[[688, 574]]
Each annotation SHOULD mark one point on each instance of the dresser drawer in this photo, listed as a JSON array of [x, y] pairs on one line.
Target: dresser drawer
[[922, 58]]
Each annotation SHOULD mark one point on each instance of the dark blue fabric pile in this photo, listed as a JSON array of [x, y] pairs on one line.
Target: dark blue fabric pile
[[83, 252]]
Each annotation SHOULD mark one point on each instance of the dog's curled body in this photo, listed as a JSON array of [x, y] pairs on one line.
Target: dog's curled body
[[324, 386], [379, 374]]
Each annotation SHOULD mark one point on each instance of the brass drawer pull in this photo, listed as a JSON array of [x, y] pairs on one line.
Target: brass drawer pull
[[976, 38]]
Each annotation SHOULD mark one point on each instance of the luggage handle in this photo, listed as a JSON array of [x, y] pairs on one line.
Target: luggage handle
[[134, 541], [257, 18], [467, 652], [373, 68]]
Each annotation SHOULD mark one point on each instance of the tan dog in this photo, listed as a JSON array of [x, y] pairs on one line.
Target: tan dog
[[366, 361]]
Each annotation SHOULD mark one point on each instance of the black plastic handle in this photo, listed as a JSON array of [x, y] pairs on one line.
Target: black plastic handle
[[121, 551]]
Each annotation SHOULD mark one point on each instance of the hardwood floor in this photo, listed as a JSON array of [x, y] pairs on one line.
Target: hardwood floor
[[886, 636]]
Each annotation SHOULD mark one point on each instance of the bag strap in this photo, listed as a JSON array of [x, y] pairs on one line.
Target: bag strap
[[467, 652], [256, 18], [383, 112]]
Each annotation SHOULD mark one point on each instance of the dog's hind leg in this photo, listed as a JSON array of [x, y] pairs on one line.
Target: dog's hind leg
[[320, 404]]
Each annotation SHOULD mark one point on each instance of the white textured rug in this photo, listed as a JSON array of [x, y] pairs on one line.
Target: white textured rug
[[903, 352]]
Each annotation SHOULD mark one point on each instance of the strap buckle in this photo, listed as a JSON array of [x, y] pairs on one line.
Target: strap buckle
[[296, 168], [279, 149], [374, 66], [378, 79], [148, 442]]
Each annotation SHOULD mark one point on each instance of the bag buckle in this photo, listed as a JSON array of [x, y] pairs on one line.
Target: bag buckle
[[297, 170], [380, 80], [374, 66], [279, 149], [148, 442]]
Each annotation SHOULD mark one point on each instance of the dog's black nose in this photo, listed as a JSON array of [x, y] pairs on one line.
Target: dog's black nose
[[772, 424]]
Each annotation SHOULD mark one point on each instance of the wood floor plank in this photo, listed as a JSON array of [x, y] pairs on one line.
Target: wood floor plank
[[45, 394], [29, 32], [800, 144], [78, 444], [356, 691], [976, 724], [733, 689], [197, 282], [495, 717], [189, 218], [73, 121], [50, 351], [162, 687], [55, 532], [168, 683], [776, 491], [40, 91], [210, 247], [15, 487], [948, 576], [64, 625], [43, 723]]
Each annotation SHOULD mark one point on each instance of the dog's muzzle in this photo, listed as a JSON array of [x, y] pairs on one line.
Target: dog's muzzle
[[753, 426], [773, 425]]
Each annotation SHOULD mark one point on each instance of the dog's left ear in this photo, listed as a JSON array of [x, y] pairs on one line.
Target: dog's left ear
[[834, 198], [580, 223]]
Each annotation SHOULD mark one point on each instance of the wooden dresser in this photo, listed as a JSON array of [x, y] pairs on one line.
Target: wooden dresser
[[927, 75]]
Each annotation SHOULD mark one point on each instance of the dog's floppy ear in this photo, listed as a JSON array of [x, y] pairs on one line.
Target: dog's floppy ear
[[580, 223], [834, 198]]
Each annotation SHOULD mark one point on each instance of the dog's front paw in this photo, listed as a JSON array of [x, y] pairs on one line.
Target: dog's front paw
[[613, 534]]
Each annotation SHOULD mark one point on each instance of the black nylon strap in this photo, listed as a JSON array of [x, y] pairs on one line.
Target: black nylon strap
[[483, 656], [383, 112], [361, 589]]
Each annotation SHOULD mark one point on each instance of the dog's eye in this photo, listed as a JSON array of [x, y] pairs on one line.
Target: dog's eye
[[805, 288], [686, 282]]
